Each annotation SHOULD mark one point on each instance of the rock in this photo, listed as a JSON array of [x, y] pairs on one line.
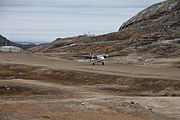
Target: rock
[[10, 98], [148, 108], [154, 14], [83, 103], [10, 77], [7, 88], [132, 102]]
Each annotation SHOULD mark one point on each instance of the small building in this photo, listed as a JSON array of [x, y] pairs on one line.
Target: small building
[[10, 49]]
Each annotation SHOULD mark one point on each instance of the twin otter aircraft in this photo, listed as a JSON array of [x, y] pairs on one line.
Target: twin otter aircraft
[[96, 58]]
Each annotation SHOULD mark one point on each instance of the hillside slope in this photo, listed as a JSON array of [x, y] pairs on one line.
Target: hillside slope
[[154, 31], [5, 42]]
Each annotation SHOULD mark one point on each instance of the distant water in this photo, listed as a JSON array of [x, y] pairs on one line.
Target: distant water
[[45, 20]]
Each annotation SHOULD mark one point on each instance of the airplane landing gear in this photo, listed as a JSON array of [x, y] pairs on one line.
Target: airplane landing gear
[[101, 63]]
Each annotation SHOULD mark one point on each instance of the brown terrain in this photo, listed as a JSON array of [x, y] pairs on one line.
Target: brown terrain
[[34, 86], [143, 83]]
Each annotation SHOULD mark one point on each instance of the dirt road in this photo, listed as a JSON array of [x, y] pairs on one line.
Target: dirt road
[[109, 69]]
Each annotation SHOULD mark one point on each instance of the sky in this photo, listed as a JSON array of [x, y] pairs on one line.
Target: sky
[[46, 20]]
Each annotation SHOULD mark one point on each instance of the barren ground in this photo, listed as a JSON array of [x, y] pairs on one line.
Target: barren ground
[[36, 87]]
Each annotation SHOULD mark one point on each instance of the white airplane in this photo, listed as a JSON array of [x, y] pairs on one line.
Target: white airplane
[[96, 58]]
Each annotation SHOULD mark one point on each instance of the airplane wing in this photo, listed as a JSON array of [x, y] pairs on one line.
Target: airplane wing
[[107, 56], [115, 55], [94, 57], [82, 56]]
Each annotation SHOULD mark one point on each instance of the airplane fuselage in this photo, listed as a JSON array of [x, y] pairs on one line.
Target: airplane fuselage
[[99, 58]]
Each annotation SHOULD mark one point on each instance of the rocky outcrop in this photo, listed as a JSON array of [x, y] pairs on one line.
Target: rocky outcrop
[[154, 31], [155, 14], [5, 42]]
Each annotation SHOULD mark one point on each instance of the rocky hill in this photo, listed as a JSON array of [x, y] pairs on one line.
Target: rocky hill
[[154, 31], [4, 41]]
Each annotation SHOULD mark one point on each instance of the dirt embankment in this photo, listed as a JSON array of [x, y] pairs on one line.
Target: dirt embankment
[[119, 85]]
